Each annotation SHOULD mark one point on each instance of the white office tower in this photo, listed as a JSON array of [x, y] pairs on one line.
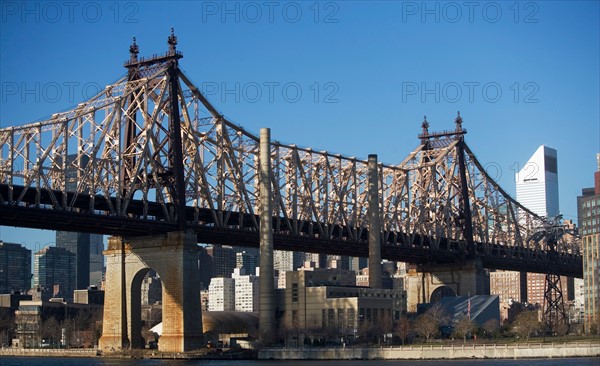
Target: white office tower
[[537, 183], [221, 294], [284, 260], [246, 291]]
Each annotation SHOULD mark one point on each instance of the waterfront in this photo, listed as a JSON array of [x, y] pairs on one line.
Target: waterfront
[[34, 361]]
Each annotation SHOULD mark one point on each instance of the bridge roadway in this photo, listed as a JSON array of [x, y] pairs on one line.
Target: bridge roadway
[[37, 212]]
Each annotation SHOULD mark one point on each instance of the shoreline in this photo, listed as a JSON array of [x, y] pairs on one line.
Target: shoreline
[[438, 352], [419, 352]]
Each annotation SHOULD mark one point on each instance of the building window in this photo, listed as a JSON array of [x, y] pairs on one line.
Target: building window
[[294, 292]]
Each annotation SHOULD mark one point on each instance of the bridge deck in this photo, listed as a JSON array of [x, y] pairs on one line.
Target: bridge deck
[[413, 248]]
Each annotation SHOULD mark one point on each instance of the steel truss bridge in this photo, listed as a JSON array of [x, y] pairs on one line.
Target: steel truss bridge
[[150, 155]]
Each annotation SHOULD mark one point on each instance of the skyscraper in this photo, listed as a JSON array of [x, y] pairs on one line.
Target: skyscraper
[[537, 182], [223, 259], [588, 216], [54, 268], [15, 268], [205, 267], [86, 247], [247, 262]]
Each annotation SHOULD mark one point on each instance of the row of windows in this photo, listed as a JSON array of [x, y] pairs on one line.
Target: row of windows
[[591, 202]]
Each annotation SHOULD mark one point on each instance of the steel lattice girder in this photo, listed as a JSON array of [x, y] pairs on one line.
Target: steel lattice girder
[[81, 156]]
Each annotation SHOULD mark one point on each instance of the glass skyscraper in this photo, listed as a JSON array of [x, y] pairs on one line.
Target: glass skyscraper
[[54, 271], [88, 256], [15, 268]]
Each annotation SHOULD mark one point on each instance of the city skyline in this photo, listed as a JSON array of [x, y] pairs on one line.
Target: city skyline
[[356, 66]]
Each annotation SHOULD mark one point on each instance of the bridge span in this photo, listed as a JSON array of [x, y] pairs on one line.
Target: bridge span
[[150, 156]]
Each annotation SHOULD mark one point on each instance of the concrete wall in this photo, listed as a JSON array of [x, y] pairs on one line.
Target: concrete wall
[[48, 352], [479, 351]]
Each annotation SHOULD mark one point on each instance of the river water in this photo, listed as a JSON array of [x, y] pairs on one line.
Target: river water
[[31, 361]]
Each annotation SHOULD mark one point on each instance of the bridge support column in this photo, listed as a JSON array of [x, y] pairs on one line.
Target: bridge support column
[[175, 259], [114, 322], [469, 278], [266, 292], [374, 224]]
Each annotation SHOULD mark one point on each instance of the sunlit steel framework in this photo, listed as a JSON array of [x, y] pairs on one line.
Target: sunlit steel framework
[[159, 157], [554, 308]]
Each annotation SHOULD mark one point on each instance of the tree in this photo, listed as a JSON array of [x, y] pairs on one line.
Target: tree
[[561, 328], [526, 324], [365, 330], [463, 327], [7, 326], [426, 326], [51, 330], [385, 324], [428, 323], [283, 333], [332, 332], [490, 328], [438, 313], [403, 328]]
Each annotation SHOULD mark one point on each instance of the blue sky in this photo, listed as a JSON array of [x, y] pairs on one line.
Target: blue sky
[[351, 77]]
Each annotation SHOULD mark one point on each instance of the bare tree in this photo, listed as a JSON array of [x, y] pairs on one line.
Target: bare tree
[[426, 326], [526, 324], [463, 327], [385, 325], [438, 313], [490, 328], [365, 330], [7, 326], [313, 328], [561, 328], [428, 323], [332, 332], [51, 330], [403, 328], [283, 333]]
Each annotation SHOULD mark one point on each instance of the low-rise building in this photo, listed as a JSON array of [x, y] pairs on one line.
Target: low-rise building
[[91, 295], [322, 300], [54, 323]]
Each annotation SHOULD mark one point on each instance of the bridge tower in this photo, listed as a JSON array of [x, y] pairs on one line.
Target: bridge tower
[[554, 309], [173, 256], [464, 275]]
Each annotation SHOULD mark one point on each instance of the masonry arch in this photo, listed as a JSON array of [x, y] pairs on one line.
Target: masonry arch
[[174, 257], [441, 291], [144, 312]]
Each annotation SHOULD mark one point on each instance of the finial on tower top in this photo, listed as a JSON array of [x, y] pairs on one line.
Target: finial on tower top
[[133, 51], [172, 41], [425, 125], [458, 122]]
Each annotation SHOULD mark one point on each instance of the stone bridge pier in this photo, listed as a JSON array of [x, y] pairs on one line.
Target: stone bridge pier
[[174, 257], [452, 279]]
